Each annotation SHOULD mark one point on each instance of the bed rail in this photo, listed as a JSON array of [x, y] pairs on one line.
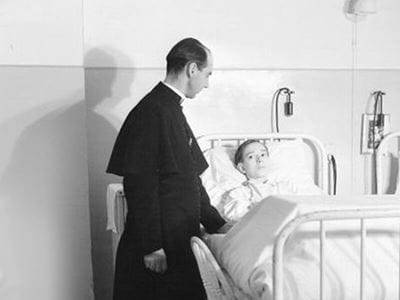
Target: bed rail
[[216, 284], [334, 215], [380, 153], [212, 140]]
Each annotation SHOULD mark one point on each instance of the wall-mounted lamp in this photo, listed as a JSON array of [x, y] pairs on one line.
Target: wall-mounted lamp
[[379, 119], [362, 7], [358, 9], [288, 107], [374, 125]]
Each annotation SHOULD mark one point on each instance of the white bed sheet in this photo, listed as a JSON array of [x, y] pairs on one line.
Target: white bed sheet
[[246, 251]]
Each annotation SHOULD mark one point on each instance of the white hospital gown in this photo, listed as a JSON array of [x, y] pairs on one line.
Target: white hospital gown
[[238, 201]]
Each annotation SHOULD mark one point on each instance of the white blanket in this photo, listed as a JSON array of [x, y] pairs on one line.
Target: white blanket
[[246, 251], [116, 208]]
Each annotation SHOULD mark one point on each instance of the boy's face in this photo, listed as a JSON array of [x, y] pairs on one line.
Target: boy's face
[[254, 165]]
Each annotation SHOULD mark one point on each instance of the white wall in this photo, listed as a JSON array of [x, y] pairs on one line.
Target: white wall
[[309, 46], [42, 32], [44, 212], [262, 34], [45, 245], [378, 39]]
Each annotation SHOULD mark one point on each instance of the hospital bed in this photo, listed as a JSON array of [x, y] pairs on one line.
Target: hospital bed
[[220, 282], [313, 157], [369, 226]]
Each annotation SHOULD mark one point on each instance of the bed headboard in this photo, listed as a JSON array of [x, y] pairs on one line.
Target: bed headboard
[[381, 152], [320, 156]]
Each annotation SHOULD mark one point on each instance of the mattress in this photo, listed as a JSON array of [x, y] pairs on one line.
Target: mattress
[[246, 251]]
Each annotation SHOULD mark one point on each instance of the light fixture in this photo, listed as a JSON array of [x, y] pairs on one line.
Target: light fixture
[[361, 7], [288, 107]]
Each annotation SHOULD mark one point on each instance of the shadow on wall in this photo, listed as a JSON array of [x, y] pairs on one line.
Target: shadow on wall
[[105, 87], [43, 194]]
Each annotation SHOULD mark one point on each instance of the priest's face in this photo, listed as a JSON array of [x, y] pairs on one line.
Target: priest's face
[[199, 79]]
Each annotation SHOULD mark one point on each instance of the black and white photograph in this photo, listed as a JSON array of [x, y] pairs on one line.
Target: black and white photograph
[[200, 150]]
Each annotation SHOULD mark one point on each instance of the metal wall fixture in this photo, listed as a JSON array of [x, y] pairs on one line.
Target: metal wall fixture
[[288, 107], [361, 7], [358, 10]]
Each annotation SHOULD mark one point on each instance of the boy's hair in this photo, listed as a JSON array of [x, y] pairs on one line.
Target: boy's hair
[[239, 152], [187, 50]]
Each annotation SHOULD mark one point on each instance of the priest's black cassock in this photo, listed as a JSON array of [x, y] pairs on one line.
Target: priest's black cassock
[[160, 160]]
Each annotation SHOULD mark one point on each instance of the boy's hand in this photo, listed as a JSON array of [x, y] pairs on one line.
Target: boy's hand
[[156, 261], [226, 227]]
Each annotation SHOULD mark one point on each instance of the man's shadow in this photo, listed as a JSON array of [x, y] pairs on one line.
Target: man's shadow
[[47, 158], [43, 192], [105, 88]]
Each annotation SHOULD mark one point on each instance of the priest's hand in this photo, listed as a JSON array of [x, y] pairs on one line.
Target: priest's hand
[[156, 261]]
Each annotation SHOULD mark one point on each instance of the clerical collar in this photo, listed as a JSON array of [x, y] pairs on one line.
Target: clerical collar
[[176, 91]]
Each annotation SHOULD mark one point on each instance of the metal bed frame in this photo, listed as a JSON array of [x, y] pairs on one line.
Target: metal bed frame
[[350, 214], [324, 177], [380, 153], [215, 281]]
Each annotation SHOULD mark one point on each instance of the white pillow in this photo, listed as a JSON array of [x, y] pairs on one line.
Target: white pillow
[[286, 162], [222, 175]]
